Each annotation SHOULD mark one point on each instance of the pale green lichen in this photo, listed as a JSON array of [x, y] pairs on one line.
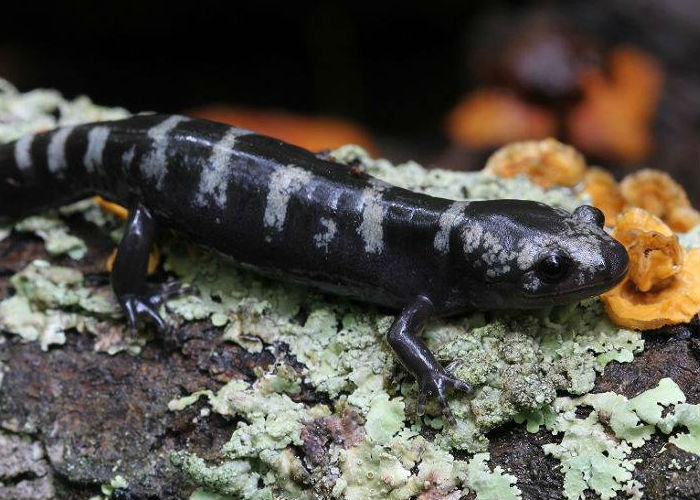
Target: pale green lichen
[[594, 459], [42, 109], [454, 184], [55, 234], [385, 418], [271, 423], [688, 416], [201, 494], [49, 300], [590, 458], [691, 239], [490, 485], [117, 482], [234, 477], [634, 420]]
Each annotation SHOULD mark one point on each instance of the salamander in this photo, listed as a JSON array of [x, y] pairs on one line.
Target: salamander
[[284, 210]]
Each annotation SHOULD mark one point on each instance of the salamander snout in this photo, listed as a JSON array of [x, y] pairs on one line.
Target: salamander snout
[[617, 262]]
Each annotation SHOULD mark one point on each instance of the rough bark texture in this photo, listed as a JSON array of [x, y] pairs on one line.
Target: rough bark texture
[[110, 412]]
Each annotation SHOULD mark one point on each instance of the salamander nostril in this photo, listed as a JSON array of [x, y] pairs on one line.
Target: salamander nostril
[[590, 214]]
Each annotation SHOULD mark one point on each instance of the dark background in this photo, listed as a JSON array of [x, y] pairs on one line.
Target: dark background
[[394, 68]]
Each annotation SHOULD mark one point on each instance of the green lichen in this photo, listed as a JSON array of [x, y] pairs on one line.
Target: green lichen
[[200, 494], [41, 109], [50, 300], [385, 418], [373, 471], [634, 420], [271, 423], [691, 239], [490, 485], [234, 477], [590, 458], [55, 234], [117, 482], [688, 416], [454, 184], [594, 451]]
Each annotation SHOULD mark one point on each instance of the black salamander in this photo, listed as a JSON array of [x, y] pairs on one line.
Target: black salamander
[[283, 209]]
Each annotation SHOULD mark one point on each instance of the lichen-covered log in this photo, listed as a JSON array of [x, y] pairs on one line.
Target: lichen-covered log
[[265, 390]]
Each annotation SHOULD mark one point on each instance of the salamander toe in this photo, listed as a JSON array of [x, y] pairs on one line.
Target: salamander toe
[[145, 306], [138, 308], [435, 385]]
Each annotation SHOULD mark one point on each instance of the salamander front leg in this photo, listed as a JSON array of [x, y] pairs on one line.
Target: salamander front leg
[[138, 298], [415, 356]]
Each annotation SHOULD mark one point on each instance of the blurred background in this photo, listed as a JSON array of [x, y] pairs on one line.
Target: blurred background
[[441, 82]]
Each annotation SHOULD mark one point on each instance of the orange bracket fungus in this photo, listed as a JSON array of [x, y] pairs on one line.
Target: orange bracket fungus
[[547, 163], [657, 192], [614, 119], [663, 284], [489, 118]]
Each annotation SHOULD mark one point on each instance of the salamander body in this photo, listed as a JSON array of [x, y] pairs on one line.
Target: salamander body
[[285, 211]]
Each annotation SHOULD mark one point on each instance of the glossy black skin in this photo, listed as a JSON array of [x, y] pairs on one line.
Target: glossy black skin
[[404, 271]]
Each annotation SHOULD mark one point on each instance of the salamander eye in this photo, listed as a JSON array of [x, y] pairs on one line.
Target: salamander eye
[[553, 267]]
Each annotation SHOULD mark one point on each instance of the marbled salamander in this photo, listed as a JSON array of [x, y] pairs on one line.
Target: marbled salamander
[[283, 209]]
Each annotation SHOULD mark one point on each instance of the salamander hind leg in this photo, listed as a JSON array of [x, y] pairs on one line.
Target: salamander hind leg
[[138, 298], [433, 380]]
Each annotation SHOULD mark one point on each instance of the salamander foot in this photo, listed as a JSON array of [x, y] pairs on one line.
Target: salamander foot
[[145, 306], [434, 384]]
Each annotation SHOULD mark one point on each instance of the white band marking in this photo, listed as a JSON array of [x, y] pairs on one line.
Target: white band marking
[[214, 179], [371, 228], [284, 182], [23, 152], [153, 164], [97, 140], [448, 220], [56, 151]]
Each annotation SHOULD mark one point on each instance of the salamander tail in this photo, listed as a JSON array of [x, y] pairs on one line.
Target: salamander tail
[[34, 175]]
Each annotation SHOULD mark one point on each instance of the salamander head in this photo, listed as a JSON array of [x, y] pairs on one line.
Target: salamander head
[[529, 254]]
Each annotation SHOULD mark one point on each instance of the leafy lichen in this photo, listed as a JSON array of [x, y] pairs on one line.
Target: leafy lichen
[[594, 458], [490, 485], [50, 300], [43, 109], [55, 234]]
